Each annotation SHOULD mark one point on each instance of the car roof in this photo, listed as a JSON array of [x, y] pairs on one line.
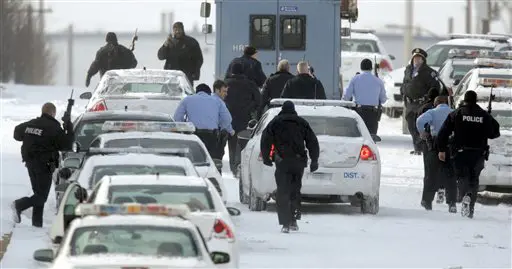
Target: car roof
[[462, 61], [470, 42], [324, 111], [157, 135], [137, 159], [126, 116], [146, 220], [494, 71], [144, 72], [123, 180], [364, 36]]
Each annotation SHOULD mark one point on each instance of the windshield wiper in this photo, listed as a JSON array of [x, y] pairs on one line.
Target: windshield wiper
[[202, 164]]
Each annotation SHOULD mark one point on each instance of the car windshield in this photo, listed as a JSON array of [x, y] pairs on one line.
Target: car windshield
[[359, 45], [437, 54], [133, 240], [196, 197], [99, 172], [169, 89], [86, 131], [333, 126], [196, 153], [460, 70]]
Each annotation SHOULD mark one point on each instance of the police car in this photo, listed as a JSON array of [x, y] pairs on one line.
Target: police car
[[349, 165], [494, 73], [126, 134], [139, 89], [132, 236], [459, 63], [209, 213], [122, 161]]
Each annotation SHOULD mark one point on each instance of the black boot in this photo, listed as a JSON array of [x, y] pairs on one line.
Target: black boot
[[452, 208], [426, 205], [285, 229], [16, 213], [294, 226]]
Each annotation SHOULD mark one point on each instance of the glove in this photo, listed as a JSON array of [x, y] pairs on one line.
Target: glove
[[168, 41], [267, 162], [87, 81], [313, 166]]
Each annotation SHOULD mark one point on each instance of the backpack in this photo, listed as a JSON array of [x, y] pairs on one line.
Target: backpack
[[114, 57]]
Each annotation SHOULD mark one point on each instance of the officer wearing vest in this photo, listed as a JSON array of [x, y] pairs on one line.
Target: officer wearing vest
[[368, 93], [439, 173], [419, 78], [471, 127]]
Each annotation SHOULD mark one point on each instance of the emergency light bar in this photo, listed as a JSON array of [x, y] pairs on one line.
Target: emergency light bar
[[466, 54], [496, 38], [363, 31], [179, 210], [310, 102], [491, 82], [173, 151], [492, 63], [148, 126]]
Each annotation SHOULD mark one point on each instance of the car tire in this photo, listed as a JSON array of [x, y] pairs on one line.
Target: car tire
[[370, 205], [244, 198], [256, 203]]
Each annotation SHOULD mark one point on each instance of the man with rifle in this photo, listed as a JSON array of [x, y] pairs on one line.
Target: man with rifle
[[42, 140], [112, 56]]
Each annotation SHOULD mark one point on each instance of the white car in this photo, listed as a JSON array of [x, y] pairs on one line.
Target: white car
[[359, 45], [132, 236], [349, 165], [496, 175], [152, 90], [209, 212], [198, 154]]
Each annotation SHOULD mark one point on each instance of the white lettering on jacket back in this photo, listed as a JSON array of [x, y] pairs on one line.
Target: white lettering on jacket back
[[34, 131], [473, 119]]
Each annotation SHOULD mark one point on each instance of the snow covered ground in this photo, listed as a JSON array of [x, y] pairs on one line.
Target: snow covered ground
[[331, 236]]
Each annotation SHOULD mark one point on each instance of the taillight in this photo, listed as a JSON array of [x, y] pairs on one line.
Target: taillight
[[99, 106], [366, 154], [222, 231], [385, 65]]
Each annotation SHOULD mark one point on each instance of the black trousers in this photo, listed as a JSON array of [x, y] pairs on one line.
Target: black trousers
[[288, 197], [221, 144], [370, 117], [468, 166], [40, 174], [209, 138], [235, 152], [411, 117], [439, 174]]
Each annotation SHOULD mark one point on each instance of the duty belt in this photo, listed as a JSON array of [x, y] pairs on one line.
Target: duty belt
[[366, 106], [418, 100], [208, 131]]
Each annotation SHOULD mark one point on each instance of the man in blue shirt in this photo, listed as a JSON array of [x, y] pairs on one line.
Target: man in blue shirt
[[207, 114], [439, 173], [368, 93], [220, 89]]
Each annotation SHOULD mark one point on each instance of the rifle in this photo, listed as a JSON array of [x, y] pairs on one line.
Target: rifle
[[66, 118], [491, 98], [135, 38], [376, 72]]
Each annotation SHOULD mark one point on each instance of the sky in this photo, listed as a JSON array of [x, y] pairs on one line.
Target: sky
[[126, 15]]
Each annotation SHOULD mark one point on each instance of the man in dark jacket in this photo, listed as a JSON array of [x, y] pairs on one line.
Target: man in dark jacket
[[109, 57], [42, 139], [242, 101], [282, 142], [182, 52], [419, 78], [274, 85], [304, 85], [251, 66]]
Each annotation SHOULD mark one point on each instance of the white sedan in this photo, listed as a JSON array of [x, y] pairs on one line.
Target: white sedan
[[139, 90], [132, 236], [350, 166]]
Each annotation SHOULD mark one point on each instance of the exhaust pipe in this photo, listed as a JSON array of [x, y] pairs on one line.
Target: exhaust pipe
[[359, 195]]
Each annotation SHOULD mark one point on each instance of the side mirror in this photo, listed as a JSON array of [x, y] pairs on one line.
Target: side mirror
[[86, 95], [76, 147], [392, 57], [376, 138], [456, 82], [46, 255], [220, 257], [252, 124], [62, 187], [234, 211], [57, 240], [207, 29], [72, 162], [206, 8], [65, 173]]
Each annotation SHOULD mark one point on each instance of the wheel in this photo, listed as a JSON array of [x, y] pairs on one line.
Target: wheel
[[370, 205], [256, 203], [244, 198]]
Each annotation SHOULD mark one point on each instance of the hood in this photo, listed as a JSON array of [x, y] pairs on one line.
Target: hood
[[128, 261]]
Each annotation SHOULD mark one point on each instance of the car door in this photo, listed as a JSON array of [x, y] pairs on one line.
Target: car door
[[247, 153], [462, 87], [259, 172], [66, 211]]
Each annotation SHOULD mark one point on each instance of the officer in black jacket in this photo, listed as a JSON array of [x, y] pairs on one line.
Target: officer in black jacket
[[251, 66], [286, 134], [274, 85], [42, 139], [419, 78], [471, 127], [304, 85]]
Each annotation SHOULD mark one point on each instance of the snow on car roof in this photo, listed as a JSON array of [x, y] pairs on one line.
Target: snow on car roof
[[118, 260], [496, 105], [157, 135], [470, 42], [462, 61], [144, 73], [161, 179], [494, 71], [356, 35], [126, 115], [135, 220], [324, 111], [137, 159]]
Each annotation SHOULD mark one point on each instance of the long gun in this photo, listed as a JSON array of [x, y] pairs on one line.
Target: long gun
[[67, 114], [376, 72], [135, 38], [491, 98]]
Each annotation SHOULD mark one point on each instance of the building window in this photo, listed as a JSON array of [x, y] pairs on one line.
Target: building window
[[293, 32], [262, 33]]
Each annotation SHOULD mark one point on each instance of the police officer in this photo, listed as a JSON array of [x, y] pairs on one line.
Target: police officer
[[368, 93], [471, 127], [274, 85], [42, 139], [438, 172], [287, 133], [220, 89], [304, 85], [251, 66], [418, 79], [207, 114]]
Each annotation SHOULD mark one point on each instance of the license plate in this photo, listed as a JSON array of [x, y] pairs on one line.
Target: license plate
[[321, 176]]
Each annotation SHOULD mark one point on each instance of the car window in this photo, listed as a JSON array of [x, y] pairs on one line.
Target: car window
[[261, 125], [99, 172], [437, 54], [504, 118], [460, 70], [359, 45], [94, 192], [168, 85], [196, 197], [334, 126], [463, 84], [196, 153], [86, 131], [509, 48], [134, 239]]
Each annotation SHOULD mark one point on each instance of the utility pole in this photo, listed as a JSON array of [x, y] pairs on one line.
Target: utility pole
[[41, 17], [408, 39], [486, 19], [469, 14], [70, 54]]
